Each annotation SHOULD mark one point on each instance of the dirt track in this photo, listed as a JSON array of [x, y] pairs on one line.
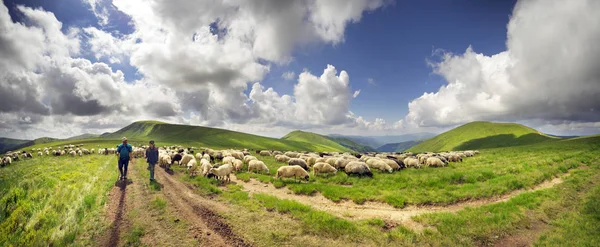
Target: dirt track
[[200, 212], [206, 226], [349, 209]]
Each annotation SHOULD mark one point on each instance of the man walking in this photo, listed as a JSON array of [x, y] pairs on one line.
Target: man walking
[[124, 151], [152, 158]]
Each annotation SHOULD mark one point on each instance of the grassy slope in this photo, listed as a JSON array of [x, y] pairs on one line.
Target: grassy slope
[[302, 136], [482, 135], [212, 137], [51, 200], [561, 208]]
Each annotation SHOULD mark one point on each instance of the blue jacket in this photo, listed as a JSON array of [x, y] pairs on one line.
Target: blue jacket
[[152, 155], [124, 151]]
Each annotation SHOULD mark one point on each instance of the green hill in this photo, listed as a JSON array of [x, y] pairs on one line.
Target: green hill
[[212, 137], [8, 144], [482, 135], [83, 136], [309, 137]]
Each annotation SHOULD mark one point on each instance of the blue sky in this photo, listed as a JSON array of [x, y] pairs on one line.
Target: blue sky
[[433, 65]]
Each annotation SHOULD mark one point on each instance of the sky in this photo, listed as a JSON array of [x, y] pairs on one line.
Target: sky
[[357, 67]]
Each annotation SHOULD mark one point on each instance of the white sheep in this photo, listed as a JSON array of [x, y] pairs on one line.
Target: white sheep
[[358, 168], [238, 164], [323, 167], [205, 167], [257, 166], [248, 158], [222, 171], [228, 160], [292, 171], [298, 162], [185, 159], [40, 154], [6, 160]]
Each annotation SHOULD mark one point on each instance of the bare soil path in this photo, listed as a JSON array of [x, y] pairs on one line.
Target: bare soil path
[[117, 206], [351, 210], [202, 213]]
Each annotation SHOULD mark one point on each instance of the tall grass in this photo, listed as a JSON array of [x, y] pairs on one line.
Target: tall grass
[[51, 200]]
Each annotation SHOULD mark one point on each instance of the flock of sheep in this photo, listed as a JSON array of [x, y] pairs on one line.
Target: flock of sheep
[[221, 163], [73, 150]]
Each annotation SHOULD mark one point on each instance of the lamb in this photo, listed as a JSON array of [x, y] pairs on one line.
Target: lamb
[[323, 167], [435, 162], [258, 167], [238, 164], [358, 168], [291, 171], [222, 171], [185, 159], [412, 162], [298, 162]]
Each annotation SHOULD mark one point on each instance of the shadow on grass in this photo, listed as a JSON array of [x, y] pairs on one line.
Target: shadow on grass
[[504, 140], [155, 185]]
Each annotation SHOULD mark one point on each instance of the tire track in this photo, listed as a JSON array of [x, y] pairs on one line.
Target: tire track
[[207, 225]]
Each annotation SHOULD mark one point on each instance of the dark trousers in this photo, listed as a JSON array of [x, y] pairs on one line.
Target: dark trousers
[[123, 163], [151, 166]]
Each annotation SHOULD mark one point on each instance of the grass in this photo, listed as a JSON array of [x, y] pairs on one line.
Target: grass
[[482, 135], [52, 200], [495, 172], [309, 137], [212, 137], [565, 215]]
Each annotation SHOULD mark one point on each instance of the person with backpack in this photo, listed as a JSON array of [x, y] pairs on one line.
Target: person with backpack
[[152, 158], [124, 151]]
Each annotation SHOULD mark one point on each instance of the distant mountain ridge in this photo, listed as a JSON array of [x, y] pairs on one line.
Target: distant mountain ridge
[[398, 147], [378, 141]]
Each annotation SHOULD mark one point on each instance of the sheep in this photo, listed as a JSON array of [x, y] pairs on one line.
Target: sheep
[[258, 167], [358, 168], [264, 153], [321, 159], [379, 164], [185, 159], [238, 164], [6, 160], [165, 161], [73, 153], [199, 156], [80, 153], [469, 153], [205, 167], [248, 158], [277, 152], [228, 160], [341, 163], [298, 162], [192, 164], [331, 161], [40, 154], [291, 171], [237, 155], [412, 162], [311, 161], [47, 152], [323, 167], [222, 171], [392, 164], [435, 162], [291, 154]]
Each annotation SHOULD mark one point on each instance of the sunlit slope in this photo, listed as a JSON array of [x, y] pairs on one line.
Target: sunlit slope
[[212, 137], [482, 135]]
